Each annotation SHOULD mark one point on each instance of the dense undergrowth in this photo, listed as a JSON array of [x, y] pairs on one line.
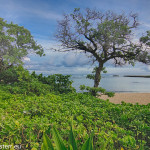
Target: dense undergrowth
[[34, 104]]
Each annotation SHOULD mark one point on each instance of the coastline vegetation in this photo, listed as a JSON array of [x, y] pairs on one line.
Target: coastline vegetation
[[31, 106]]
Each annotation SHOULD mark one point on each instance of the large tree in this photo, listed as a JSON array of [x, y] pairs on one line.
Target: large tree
[[15, 43], [102, 36]]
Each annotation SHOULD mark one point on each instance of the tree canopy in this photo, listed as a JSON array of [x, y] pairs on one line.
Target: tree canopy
[[145, 57], [15, 43], [102, 36], [146, 39]]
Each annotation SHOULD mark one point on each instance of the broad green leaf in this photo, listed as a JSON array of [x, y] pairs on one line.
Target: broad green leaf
[[58, 140], [72, 140], [47, 145], [88, 145], [34, 148], [70, 147], [48, 130]]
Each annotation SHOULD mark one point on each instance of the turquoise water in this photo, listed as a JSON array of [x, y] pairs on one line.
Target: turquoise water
[[115, 84]]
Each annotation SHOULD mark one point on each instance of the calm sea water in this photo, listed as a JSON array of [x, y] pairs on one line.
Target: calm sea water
[[115, 84]]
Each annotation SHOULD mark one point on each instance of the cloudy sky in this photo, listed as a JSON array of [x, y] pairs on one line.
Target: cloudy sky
[[40, 18]]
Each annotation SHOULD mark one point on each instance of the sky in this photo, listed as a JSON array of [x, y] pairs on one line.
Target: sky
[[40, 17]]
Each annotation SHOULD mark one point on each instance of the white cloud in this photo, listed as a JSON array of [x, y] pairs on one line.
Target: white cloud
[[26, 59]]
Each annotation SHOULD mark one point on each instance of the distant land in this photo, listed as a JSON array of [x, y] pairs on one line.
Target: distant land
[[141, 76]]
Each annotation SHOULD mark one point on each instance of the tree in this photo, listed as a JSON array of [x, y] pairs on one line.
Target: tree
[[102, 36], [145, 57], [15, 43], [146, 39]]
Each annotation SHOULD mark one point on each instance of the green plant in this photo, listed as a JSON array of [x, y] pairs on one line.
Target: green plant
[[16, 43], [58, 82], [103, 37], [9, 76], [22, 82], [47, 144], [24, 118], [97, 90]]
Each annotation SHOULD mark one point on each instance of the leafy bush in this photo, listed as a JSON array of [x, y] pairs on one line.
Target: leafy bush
[[24, 118], [47, 144], [15, 74], [58, 82], [29, 88], [99, 90], [9, 75], [96, 91], [22, 82]]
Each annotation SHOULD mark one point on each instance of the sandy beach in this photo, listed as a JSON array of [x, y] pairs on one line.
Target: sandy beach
[[141, 98]]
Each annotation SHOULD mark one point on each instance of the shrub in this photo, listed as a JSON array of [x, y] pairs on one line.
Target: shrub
[[24, 118], [9, 76], [58, 82], [47, 144], [25, 83], [99, 90]]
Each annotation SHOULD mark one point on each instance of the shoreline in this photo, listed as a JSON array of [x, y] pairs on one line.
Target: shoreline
[[141, 98]]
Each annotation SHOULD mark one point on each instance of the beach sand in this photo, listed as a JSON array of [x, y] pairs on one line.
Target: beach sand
[[141, 98]]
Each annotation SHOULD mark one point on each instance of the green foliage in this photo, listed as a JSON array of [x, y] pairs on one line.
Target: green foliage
[[9, 76], [23, 74], [92, 76], [145, 56], [15, 74], [103, 37], [98, 90], [47, 144], [72, 142], [58, 140], [88, 145], [15, 43], [22, 82], [146, 39], [24, 118], [58, 82]]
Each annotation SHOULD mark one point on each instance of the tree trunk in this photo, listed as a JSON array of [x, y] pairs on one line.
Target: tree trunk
[[97, 77]]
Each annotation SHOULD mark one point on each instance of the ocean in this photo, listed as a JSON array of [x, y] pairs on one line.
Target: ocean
[[115, 83]]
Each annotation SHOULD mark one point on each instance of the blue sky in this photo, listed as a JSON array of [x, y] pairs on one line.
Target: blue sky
[[41, 16]]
